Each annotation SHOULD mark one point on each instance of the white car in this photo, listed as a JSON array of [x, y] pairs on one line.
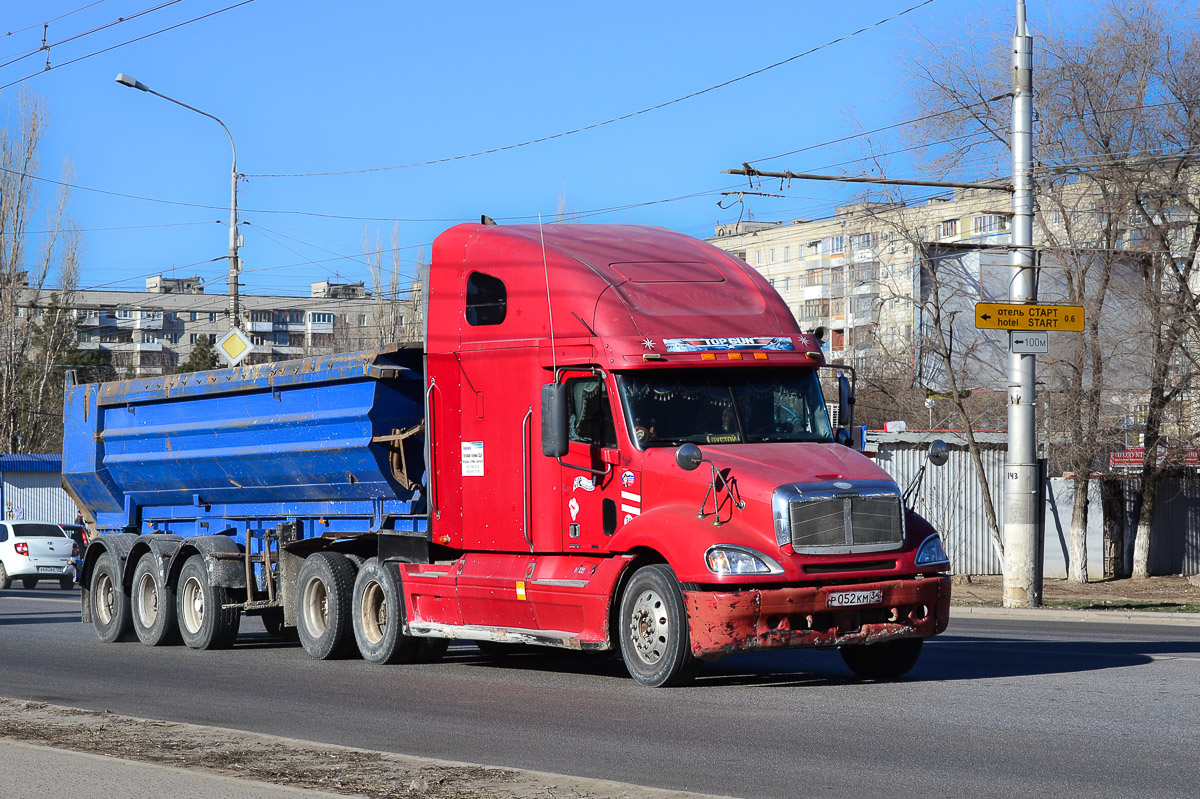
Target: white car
[[32, 551]]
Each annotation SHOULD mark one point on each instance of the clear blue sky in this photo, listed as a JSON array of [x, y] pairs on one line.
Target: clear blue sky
[[317, 86]]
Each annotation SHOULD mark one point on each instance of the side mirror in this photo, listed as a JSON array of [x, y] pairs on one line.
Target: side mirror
[[844, 437], [845, 401], [555, 440], [939, 452], [688, 457]]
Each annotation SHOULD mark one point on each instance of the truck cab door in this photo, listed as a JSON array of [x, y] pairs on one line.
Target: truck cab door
[[591, 477]]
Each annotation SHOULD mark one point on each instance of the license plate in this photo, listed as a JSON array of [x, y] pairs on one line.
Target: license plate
[[49, 569], [849, 599]]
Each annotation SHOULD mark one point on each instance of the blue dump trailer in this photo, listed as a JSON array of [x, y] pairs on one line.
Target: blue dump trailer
[[219, 485]]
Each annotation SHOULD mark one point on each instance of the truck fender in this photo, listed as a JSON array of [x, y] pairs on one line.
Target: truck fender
[[160, 546], [222, 557], [119, 545], [659, 530]]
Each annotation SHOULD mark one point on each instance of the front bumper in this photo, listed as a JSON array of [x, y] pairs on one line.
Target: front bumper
[[726, 622]]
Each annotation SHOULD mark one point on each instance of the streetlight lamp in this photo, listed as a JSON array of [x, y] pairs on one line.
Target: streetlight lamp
[[234, 267]]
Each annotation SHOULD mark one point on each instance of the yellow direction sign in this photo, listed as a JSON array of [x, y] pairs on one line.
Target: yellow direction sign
[[1013, 316]]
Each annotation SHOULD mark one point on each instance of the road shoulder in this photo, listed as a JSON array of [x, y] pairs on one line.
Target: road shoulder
[[287, 762]]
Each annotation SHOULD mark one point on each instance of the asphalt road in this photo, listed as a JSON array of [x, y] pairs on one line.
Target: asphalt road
[[995, 708]]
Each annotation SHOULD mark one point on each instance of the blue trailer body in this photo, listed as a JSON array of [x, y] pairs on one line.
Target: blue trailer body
[[330, 445]]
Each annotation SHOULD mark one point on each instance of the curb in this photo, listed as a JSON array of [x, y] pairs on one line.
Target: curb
[[1101, 616]]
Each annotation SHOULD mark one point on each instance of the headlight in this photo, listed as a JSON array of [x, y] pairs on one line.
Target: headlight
[[932, 551], [733, 559]]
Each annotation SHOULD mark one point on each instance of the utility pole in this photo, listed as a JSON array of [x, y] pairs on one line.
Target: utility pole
[[1022, 588]]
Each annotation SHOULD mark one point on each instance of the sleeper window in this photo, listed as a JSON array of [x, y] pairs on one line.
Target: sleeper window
[[487, 299]]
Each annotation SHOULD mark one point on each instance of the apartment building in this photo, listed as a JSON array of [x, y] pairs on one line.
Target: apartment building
[[152, 332], [858, 273]]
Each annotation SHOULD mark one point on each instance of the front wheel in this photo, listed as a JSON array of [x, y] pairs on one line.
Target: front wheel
[[885, 661], [153, 604], [654, 629], [204, 621]]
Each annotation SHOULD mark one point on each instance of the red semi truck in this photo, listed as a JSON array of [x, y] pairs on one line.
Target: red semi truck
[[626, 448], [577, 377]]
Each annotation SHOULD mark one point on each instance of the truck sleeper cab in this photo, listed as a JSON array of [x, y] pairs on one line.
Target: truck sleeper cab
[[614, 440]]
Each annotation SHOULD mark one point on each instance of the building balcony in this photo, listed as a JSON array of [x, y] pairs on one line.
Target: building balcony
[[816, 292], [260, 327]]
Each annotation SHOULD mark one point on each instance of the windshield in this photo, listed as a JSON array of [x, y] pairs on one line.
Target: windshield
[[724, 406]]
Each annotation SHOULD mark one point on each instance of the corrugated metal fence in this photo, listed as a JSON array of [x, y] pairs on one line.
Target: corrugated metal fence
[[31, 488], [951, 498]]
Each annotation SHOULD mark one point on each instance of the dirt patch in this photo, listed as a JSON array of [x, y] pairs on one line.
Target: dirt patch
[[298, 764], [1179, 594]]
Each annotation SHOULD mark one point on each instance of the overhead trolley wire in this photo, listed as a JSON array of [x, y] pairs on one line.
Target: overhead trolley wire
[[131, 41]]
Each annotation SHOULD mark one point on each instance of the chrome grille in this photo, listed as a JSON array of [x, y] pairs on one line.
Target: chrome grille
[[821, 519]]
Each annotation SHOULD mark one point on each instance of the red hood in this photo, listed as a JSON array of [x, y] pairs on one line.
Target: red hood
[[768, 466]]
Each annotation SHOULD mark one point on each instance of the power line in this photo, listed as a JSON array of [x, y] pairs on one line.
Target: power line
[[595, 125], [131, 41], [119, 227], [47, 47], [53, 19]]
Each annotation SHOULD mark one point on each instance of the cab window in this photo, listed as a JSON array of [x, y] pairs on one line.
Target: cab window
[[591, 419]]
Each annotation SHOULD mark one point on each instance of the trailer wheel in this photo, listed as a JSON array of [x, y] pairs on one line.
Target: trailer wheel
[[204, 621], [323, 616], [110, 603], [379, 615], [653, 629], [152, 605], [885, 661]]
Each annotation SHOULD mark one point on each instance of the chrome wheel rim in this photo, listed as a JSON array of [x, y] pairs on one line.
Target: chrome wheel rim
[[650, 627]]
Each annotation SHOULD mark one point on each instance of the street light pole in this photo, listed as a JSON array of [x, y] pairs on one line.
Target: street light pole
[[234, 264]]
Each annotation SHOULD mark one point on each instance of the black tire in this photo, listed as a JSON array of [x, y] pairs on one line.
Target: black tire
[[653, 629], [66, 583], [204, 622], [379, 615], [109, 602], [152, 604], [29, 582], [5, 580], [324, 605], [885, 661]]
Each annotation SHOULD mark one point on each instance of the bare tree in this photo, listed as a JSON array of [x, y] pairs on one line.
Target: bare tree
[[38, 277], [387, 315], [1119, 104]]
